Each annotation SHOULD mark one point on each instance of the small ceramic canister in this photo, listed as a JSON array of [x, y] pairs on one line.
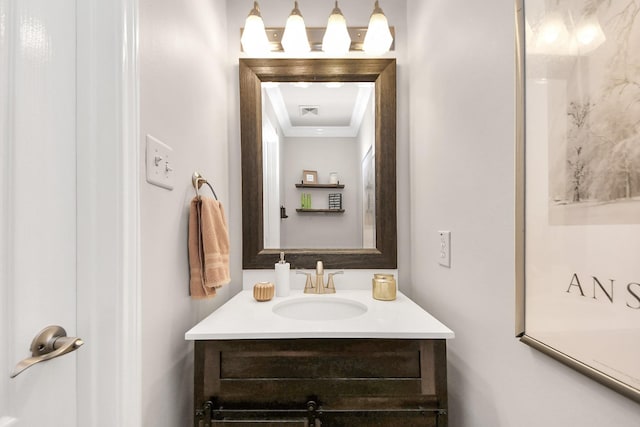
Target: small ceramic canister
[[384, 287], [263, 291]]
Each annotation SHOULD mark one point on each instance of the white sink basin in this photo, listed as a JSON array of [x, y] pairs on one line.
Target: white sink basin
[[312, 307]]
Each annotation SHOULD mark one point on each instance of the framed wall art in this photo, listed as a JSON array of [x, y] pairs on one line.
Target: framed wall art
[[578, 185]]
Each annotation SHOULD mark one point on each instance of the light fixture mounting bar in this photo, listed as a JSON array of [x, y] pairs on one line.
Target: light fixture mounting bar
[[315, 34]]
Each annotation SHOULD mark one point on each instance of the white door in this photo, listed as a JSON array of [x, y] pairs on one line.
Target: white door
[[271, 178], [38, 206]]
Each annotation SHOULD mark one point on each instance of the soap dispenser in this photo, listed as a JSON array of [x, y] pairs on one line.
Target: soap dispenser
[[282, 277]]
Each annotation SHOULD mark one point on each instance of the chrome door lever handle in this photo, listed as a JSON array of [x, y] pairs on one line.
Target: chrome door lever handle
[[48, 344]]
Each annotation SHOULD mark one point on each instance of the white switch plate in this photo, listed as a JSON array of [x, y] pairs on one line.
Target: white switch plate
[[159, 164], [444, 248]]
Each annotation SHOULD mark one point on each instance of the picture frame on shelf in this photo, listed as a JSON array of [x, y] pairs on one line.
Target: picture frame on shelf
[[309, 177]]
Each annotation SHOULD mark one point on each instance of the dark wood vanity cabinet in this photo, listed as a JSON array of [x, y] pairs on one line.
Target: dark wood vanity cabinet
[[321, 382]]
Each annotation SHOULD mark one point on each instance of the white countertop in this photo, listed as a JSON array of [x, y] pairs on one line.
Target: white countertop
[[242, 317]]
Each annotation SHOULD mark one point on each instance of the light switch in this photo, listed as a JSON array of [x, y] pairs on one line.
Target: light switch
[[444, 248], [159, 163]]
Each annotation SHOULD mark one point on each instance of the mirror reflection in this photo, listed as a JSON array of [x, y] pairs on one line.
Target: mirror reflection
[[318, 145], [381, 74]]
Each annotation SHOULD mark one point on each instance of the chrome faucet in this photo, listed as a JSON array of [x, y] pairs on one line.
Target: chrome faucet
[[319, 287]]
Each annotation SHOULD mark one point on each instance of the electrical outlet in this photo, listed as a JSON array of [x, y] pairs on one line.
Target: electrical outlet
[[444, 248]]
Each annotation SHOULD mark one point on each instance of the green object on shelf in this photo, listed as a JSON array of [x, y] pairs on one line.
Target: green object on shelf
[[305, 201]]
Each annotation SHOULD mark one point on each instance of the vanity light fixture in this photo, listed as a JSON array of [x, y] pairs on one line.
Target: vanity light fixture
[[378, 38], [336, 40], [294, 39], [254, 37], [553, 33], [551, 36]]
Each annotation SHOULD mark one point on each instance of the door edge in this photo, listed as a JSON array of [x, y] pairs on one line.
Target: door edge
[[109, 283]]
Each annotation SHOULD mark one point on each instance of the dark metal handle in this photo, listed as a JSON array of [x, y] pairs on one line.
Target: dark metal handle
[[48, 344]]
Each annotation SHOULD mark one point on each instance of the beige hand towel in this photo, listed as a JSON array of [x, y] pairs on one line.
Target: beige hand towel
[[208, 247]]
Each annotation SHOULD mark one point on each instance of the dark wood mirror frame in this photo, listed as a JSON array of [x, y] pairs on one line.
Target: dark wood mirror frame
[[381, 71]]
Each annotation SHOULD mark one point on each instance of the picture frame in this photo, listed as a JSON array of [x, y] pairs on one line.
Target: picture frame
[[578, 186], [309, 177]]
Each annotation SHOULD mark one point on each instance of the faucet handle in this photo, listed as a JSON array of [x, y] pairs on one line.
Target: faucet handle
[[331, 289], [308, 285]]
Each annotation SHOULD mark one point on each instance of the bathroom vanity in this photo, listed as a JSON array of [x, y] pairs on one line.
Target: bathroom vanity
[[320, 360], [342, 359]]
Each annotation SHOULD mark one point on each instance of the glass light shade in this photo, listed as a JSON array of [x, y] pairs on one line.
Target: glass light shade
[[589, 33], [378, 38], [336, 40], [553, 31], [254, 37], [294, 39]]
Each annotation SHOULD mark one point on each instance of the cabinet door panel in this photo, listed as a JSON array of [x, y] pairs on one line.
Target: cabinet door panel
[[378, 419], [356, 382], [260, 423], [291, 390], [319, 364]]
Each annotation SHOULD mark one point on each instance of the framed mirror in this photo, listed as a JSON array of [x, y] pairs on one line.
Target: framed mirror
[[381, 167]]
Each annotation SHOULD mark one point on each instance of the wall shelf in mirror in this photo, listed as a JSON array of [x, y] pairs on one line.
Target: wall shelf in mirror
[[320, 210], [320, 185]]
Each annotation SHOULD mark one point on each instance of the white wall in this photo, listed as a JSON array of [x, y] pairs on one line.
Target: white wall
[[462, 179], [461, 174], [366, 143], [184, 70], [324, 155], [366, 133]]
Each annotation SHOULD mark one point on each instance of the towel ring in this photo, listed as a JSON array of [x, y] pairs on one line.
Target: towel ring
[[197, 180]]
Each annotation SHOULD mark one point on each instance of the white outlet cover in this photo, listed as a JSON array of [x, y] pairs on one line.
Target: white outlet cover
[[159, 160], [444, 248]]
